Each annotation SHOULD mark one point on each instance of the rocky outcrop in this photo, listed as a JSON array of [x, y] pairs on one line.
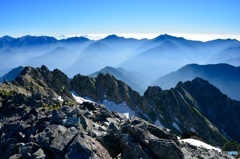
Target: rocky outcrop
[[177, 110], [105, 87], [89, 130], [42, 80], [85, 131]]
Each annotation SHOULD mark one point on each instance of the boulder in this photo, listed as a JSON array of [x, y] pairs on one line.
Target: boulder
[[57, 138], [111, 141], [131, 149], [84, 146]]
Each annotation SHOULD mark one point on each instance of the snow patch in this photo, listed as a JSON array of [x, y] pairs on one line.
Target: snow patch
[[79, 99], [60, 98], [200, 144], [119, 107]]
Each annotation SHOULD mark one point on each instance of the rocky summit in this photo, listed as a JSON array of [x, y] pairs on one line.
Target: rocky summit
[[92, 131], [40, 118]]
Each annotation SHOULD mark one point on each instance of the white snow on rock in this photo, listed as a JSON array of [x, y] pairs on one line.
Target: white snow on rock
[[122, 108], [119, 107], [60, 98], [79, 99], [198, 143]]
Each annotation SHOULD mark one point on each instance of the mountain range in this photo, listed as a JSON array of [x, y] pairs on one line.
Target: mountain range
[[183, 86], [223, 76], [194, 105], [152, 57]]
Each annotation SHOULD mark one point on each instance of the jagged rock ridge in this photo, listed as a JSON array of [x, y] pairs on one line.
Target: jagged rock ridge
[[42, 131]]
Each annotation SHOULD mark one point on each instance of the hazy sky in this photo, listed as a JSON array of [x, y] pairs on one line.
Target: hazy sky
[[82, 17]]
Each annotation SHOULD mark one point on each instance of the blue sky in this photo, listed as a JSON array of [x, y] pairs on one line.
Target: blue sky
[[82, 17]]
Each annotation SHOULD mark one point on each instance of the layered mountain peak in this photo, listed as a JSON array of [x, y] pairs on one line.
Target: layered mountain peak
[[112, 37], [166, 37]]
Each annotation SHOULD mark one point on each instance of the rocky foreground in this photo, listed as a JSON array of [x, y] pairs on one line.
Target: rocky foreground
[[89, 130]]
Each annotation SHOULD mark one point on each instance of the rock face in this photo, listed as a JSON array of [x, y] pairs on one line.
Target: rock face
[[105, 87]]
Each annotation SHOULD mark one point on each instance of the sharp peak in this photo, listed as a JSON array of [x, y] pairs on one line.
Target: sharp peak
[[166, 36]]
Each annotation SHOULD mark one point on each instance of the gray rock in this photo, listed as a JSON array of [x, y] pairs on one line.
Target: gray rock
[[106, 113], [111, 141], [131, 149], [162, 148], [113, 127], [158, 147], [15, 156], [113, 120], [72, 122], [57, 117], [85, 122], [74, 113], [39, 154], [57, 138], [14, 149], [95, 133], [86, 147]]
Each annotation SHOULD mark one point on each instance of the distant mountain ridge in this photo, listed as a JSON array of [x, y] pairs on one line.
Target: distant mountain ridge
[[10, 76], [223, 76], [153, 57], [29, 41]]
